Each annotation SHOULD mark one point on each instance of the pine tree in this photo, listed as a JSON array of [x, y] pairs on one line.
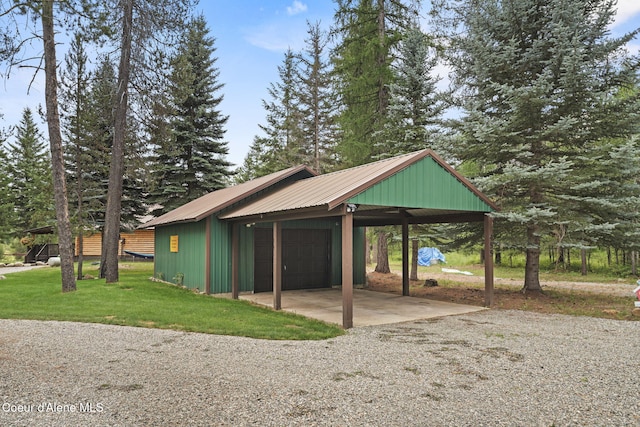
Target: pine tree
[[100, 128], [317, 103], [7, 209], [74, 84], [156, 21], [193, 159], [367, 32], [538, 80], [605, 202], [415, 107], [30, 172], [134, 204]]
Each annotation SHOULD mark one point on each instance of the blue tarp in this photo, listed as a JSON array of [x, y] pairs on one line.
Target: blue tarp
[[426, 256]]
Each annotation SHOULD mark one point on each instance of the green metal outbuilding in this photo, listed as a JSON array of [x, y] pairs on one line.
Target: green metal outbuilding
[[294, 229]]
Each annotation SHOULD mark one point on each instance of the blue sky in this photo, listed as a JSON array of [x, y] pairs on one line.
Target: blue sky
[[251, 38]]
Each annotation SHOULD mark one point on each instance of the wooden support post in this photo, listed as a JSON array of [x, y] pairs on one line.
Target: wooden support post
[[347, 270], [488, 261], [405, 257], [207, 256], [235, 260], [277, 265]]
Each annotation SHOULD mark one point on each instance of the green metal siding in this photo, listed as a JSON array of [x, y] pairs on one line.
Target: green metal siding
[[424, 184], [220, 260], [189, 260], [245, 271]]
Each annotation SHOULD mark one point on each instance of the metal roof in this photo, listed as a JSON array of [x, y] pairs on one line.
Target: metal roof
[[216, 201], [333, 189], [47, 229]]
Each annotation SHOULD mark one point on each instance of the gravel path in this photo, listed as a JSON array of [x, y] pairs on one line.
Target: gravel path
[[490, 368]]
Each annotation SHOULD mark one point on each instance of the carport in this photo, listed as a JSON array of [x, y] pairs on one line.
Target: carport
[[416, 188], [370, 308]]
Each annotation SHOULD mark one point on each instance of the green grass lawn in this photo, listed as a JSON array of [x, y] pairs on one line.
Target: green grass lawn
[[138, 301]]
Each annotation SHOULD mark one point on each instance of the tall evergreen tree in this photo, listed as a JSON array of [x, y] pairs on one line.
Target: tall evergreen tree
[[30, 172], [74, 87], [47, 16], [156, 21], [604, 198], [317, 102], [193, 160], [414, 118], [134, 203], [100, 127], [538, 80], [367, 32], [7, 209]]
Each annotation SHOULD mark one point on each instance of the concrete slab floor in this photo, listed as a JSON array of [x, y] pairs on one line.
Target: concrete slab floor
[[369, 307]]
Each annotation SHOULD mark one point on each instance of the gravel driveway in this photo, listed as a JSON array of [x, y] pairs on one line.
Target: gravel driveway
[[489, 368]]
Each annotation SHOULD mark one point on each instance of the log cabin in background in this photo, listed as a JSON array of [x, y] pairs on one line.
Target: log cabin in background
[[137, 244]]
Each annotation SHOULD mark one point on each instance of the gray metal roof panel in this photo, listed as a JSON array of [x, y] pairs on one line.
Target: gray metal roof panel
[[215, 201]]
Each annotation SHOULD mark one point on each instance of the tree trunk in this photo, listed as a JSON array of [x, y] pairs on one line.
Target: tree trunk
[[634, 263], [560, 262], [111, 234], [414, 259], [383, 254], [80, 254], [532, 266], [65, 244], [80, 235], [583, 258]]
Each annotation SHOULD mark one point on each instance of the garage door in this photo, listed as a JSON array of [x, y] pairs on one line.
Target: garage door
[[306, 259]]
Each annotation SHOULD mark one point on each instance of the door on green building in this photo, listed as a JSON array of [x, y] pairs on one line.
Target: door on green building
[[306, 259]]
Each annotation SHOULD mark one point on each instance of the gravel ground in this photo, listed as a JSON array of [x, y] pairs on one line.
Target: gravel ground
[[492, 368], [622, 289], [7, 270]]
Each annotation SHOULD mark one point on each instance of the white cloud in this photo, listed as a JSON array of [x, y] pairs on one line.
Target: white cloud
[[270, 37], [627, 9], [280, 33], [278, 36], [296, 8]]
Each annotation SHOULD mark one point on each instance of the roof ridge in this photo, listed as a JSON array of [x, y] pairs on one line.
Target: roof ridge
[[377, 162]]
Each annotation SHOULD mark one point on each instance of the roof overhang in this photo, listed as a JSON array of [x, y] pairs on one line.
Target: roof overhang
[[47, 229], [214, 202]]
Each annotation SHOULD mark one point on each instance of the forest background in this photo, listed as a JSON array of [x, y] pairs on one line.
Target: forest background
[[539, 109]]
